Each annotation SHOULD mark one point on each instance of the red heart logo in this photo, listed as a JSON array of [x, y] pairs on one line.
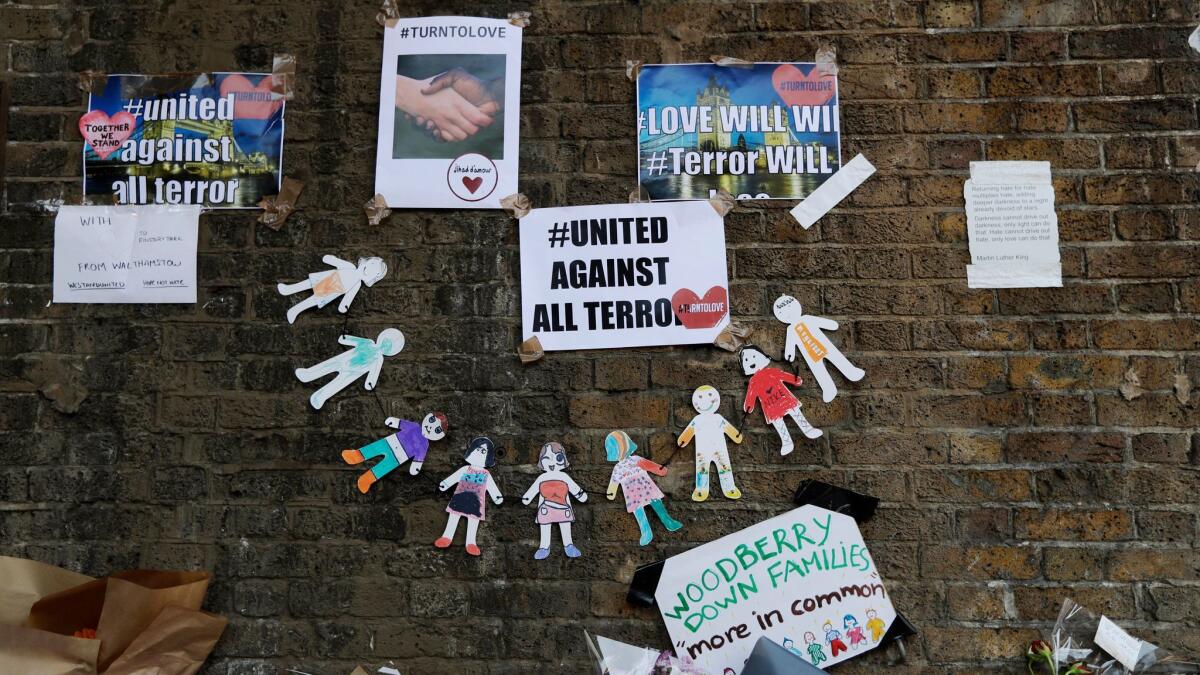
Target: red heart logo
[[472, 184], [697, 312], [250, 102], [106, 134], [796, 88]]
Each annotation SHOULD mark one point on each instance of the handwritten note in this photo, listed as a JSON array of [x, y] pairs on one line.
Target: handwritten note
[[1120, 645], [125, 254], [1012, 226]]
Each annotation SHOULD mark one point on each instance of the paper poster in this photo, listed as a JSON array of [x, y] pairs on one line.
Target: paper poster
[[125, 254], [449, 104], [1012, 226], [213, 139], [803, 578], [763, 131], [623, 275]]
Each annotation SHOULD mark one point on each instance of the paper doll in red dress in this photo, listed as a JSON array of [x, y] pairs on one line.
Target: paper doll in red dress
[[769, 386]]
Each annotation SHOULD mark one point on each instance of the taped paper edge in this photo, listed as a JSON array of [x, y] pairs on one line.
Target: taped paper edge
[[639, 196], [831, 193], [632, 69], [826, 59], [531, 350], [517, 205], [389, 14], [277, 208], [1015, 275], [283, 76], [723, 202], [519, 19], [88, 80], [376, 209], [730, 61]]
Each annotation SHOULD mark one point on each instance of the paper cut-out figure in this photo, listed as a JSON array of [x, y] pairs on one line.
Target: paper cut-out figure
[[815, 652], [343, 280], [640, 491], [709, 429], [411, 441], [554, 490], [875, 625], [768, 385], [366, 358], [853, 631], [470, 483], [833, 638], [804, 332]]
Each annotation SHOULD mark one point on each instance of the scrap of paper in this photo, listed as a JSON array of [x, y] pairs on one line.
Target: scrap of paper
[[623, 275], [760, 130], [1120, 645], [803, 577], [125, 254], [1012, 226], [449, 111], [1194, 39], [833, 191]]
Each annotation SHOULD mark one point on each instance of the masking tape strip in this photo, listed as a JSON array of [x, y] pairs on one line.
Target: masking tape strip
[[283, 76], [389, 14], [827, 59], [531, 350], [832, 191], [517, 205], [732, 337], [376, 209], [92, 82], [723, 202], [632, 68], [639, 196], [730, 61], [519, 19], [277, 208]]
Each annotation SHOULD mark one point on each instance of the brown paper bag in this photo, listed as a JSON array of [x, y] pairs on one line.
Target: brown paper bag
[[26, 581], [118, 607], [27, 650], [176, 643]]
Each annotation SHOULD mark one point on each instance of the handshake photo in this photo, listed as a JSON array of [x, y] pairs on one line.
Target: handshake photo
[[452, 106]]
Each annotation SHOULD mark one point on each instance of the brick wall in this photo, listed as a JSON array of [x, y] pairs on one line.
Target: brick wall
[[1013, 472]]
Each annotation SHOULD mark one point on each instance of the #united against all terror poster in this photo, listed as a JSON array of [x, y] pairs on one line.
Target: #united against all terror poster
[[210, 139], [624, 275], [449, 112], [761, 131]]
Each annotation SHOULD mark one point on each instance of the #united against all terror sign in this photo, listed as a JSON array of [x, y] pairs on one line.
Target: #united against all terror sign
[[623, 275], [803, 579]]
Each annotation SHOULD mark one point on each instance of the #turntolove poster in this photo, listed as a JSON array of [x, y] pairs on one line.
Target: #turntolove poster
[[449, 112], [803, 579], [623, 275], [763, 131], [211, 139]]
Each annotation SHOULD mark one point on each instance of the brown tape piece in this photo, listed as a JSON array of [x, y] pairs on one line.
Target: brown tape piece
[[730, 61], [76, 38], [639, 196], [733, 337], [827, 59], [92, 82], [60, 379], [1131, 385], [389, 14], [277, 208], [1183, 388], [283, 76], [531, 350], [632, 68], [723, 202], [377, 209], [519, 19], [517, 205]]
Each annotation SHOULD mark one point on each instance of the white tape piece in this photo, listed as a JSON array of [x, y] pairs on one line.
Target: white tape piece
[[1015, 275], [1194, 39], [833, 191]]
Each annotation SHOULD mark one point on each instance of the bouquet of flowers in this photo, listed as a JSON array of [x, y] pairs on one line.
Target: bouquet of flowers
[[1072, 650]]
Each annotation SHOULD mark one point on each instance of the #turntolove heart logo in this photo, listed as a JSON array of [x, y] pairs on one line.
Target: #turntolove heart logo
[[106, 134], [472, 183], [250, 102], [796, 88], [697, 312]]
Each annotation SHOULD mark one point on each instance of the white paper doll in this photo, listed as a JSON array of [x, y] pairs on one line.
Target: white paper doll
[[554, 489], [470, 483], [709, 429], [768, 386], [366, 358], [343, 280], [804, 332]]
